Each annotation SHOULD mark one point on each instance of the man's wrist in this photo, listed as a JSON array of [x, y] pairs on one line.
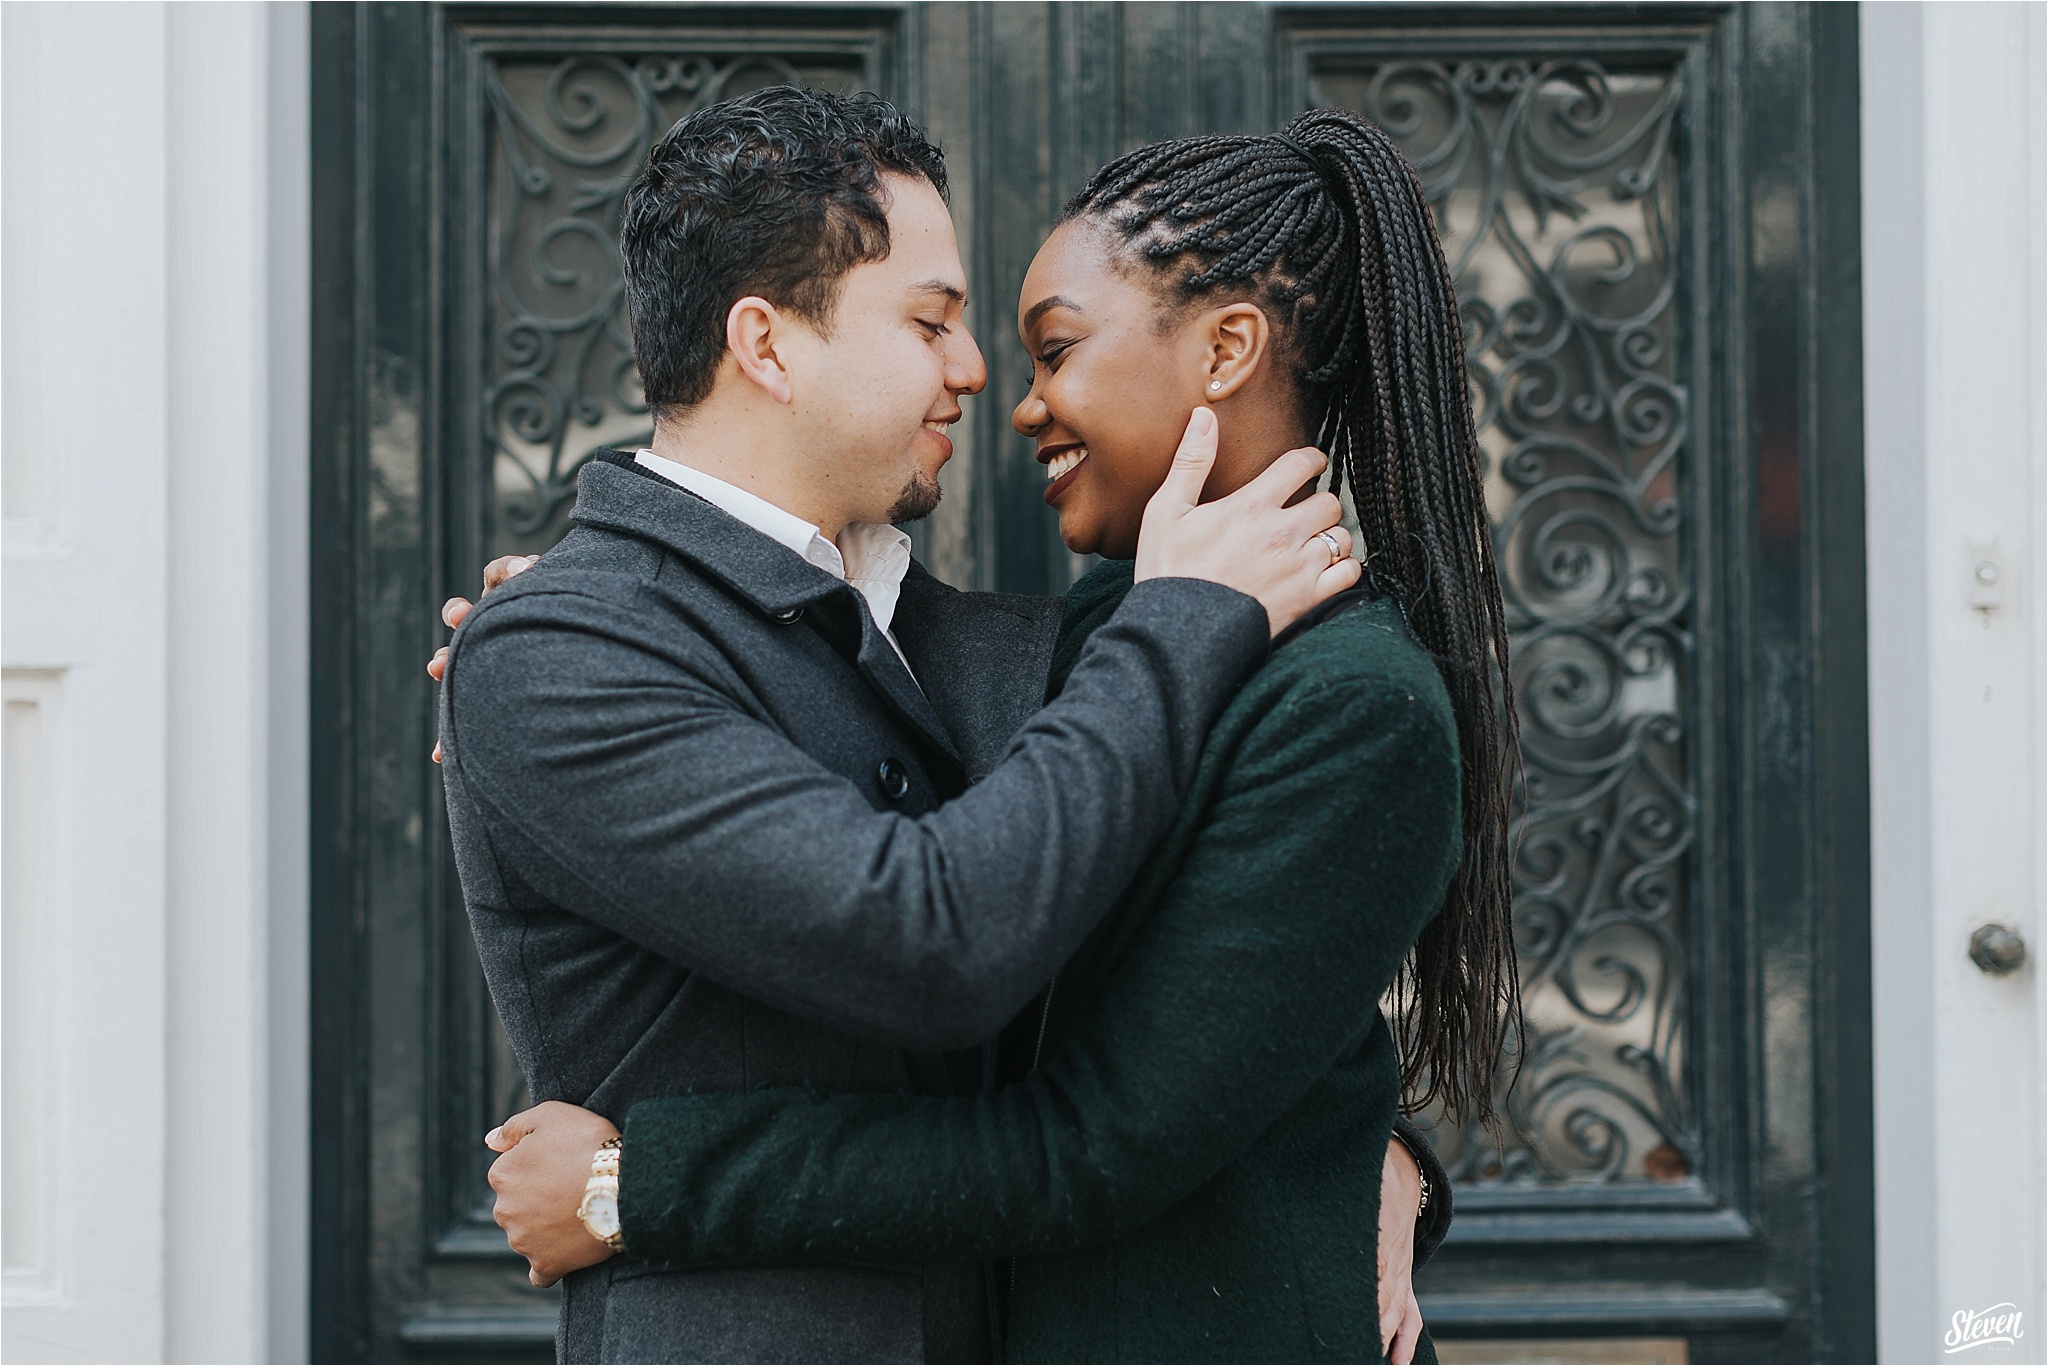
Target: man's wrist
[[599, 1211], [1433, 1219], [1398, 1144]]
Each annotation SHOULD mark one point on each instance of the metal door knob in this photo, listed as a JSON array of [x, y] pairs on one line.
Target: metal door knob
[[1998, 949]]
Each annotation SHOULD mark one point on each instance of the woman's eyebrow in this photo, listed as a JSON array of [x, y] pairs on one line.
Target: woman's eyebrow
[[1046, 305]]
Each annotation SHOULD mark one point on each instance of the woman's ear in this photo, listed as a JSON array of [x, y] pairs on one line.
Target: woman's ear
[[1236, 337], [751, 328]]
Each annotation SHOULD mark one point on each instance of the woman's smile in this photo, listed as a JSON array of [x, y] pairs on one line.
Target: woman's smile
[[1062, 467]]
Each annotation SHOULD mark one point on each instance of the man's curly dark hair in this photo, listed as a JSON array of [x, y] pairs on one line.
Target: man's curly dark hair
[[777, 193]]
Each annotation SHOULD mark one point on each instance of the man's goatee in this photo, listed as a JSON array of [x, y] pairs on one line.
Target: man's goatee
[[917, 500]]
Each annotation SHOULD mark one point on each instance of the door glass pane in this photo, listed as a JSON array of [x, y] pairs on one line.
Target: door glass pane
[[1557, 195]]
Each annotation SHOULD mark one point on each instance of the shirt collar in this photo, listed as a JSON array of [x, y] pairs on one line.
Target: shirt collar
[[876, 557]]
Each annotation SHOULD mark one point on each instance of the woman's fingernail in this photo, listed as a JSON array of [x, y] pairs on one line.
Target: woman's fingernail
[[492, 1139]]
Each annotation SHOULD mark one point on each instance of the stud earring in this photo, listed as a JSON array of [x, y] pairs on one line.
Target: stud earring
[[1214, 385]]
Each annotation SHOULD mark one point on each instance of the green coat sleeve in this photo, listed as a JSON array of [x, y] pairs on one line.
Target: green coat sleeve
[[1327, 847]]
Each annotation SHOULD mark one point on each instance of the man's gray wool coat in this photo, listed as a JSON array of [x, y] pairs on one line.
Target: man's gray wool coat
[[712, 836]]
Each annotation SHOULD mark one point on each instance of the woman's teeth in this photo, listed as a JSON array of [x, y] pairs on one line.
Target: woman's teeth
[[1064, 461]]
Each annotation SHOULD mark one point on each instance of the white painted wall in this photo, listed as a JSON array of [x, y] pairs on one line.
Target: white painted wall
[[1954, 235], [153, 185]]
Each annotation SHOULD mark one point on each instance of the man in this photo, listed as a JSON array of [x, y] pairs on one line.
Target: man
[[709, 762]]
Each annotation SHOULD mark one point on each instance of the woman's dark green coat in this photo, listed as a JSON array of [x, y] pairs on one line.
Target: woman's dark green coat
[[1193, 1173]]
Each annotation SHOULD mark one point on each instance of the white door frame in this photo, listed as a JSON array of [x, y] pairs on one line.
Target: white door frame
[[1953, 237]]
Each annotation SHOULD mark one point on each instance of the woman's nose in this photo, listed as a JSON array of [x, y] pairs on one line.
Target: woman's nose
[[1030, 415]]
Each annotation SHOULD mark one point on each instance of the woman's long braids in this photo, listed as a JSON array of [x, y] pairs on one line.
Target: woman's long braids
[[1327, 229]]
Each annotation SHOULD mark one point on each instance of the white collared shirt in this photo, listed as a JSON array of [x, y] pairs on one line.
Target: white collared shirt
[[873, 557]]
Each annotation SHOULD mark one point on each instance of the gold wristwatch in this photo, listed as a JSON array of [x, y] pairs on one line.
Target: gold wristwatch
[[600, 1208]]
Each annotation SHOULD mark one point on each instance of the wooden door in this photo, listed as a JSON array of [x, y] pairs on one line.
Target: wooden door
[[1653, 214]]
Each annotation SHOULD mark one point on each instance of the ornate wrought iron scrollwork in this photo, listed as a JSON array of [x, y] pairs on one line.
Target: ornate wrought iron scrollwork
[[1553, 189], [566, 137]]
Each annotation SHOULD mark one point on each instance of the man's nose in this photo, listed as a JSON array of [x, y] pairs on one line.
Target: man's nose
[[968, 372]]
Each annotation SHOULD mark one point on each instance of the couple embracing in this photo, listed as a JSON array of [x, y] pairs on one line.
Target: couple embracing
[[909, 974]]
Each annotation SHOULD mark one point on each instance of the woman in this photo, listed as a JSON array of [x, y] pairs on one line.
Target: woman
[[1183, 1155]]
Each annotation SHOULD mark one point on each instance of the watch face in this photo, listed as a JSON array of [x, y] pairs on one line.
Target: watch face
[[601, 1214]]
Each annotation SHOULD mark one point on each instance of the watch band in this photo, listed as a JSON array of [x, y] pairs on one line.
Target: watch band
[[599, 1211], [606, 1160]]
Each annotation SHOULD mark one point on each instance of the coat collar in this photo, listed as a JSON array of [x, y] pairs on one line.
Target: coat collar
[[983, 659], [615, 493]]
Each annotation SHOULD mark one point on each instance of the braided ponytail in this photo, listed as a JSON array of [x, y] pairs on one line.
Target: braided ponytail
[[1328, 230]]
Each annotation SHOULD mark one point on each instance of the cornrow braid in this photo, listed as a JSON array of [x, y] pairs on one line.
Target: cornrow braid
[[1326, 227]]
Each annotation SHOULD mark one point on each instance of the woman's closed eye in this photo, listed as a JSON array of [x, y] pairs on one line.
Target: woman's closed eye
[[1049, 358], [1046, 360]]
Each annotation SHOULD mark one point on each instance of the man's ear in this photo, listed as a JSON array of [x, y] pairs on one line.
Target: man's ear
[[752, 329], [1236, 337]]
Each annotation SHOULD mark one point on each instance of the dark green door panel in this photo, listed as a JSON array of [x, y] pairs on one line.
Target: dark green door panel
[[1653, 216]]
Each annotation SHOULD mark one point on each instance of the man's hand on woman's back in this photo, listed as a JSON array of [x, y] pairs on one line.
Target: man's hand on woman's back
[[455, 609]]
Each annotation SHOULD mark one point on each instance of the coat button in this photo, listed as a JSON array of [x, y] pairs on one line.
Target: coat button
[[894, 780], [791, 616]]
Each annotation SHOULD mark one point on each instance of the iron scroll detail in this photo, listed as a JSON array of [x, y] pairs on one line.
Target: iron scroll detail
[[1562, 218]]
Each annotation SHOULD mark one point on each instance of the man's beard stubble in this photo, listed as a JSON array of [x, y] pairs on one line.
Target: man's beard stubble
[[917, 500]]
